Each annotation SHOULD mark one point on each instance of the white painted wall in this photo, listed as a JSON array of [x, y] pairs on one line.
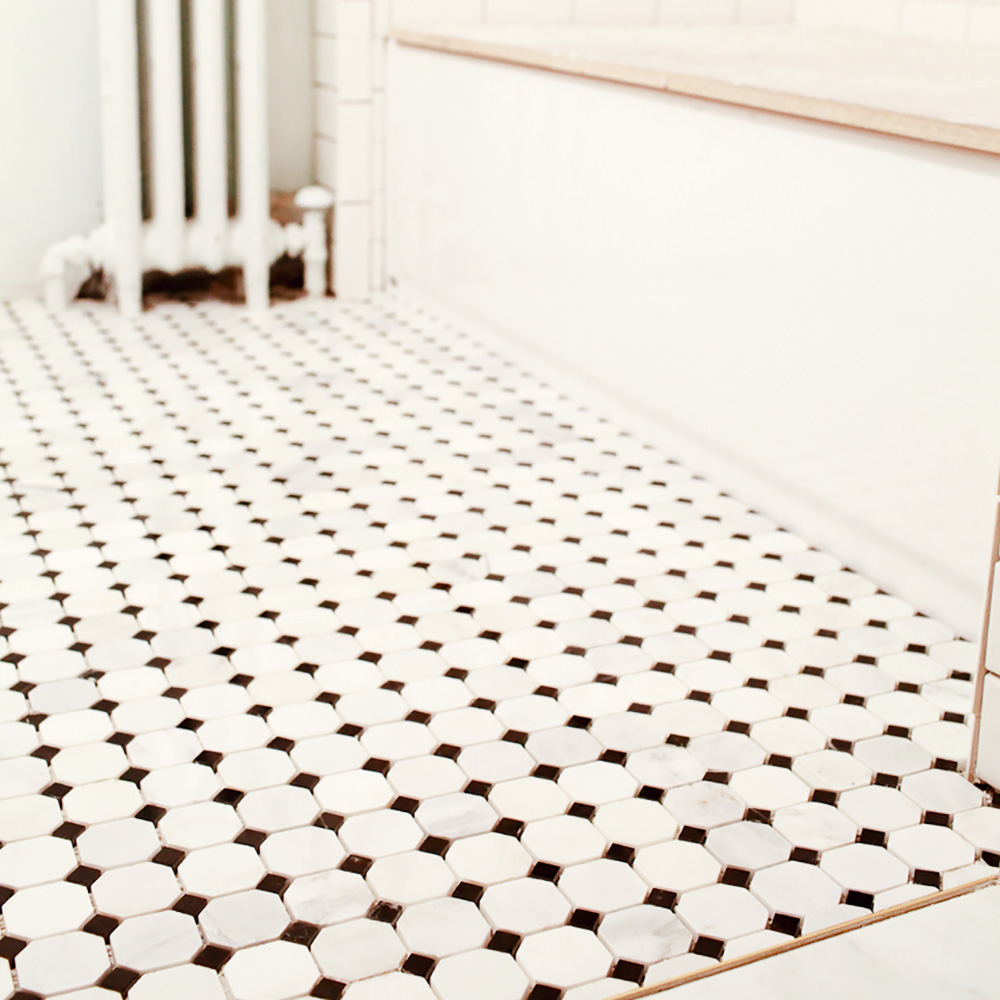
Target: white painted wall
[[50, 183], [815, 307], [290, 92], [49, 126]]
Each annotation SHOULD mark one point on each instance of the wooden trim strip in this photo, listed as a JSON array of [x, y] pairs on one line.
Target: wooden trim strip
[[979, 138], [977, 699]]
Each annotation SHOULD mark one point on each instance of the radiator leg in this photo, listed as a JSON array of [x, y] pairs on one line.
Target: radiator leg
[[56, 297], [315, 202], [54, 279], [254, 185], [129, 295], [64, 268]]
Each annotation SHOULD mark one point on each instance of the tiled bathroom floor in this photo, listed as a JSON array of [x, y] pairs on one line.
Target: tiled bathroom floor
[[341, 657]]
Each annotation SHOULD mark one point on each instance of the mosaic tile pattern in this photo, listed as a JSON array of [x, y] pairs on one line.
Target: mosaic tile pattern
[[339, 657]]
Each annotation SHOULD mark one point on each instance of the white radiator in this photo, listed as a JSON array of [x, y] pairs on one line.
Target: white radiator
[[172, 238]]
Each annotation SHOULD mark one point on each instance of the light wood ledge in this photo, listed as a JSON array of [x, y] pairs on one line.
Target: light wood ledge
[[934, 92]]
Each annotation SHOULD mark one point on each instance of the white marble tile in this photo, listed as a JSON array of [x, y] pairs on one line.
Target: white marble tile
[[62, 962], [131, 890], [430, 697], [278, 970], [442, 927], [155, 941], [328, 897], [47, 909]]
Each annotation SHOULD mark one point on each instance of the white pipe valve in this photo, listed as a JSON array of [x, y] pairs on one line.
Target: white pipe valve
[[315, 202]]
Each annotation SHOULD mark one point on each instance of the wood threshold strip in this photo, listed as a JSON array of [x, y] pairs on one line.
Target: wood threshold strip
[[794, 943], [979, 138]]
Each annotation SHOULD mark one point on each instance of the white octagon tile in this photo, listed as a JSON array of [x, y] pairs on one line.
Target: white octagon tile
[[155, 940], [410, 877], [815, 826], [748, 846], [877, 807], [277, 970], [442, 927], [377, 834], [931, 848], [391, 986], [357, 949], [635, 822], [941, 792], [488, 858], [831, 770], [47, 909], [31, 862], [597, 782], [795, 889], [524, 905], [190, 981], [602, 885], [60, 963], [563, 840], [328, 897], [214, 871], [677, 866], [769, 788], [721, 912], [489, 975], [644, 934], [704, 804], [243, 918], [564, 956], [134, 889], [353, 792], [864, 868], [302, 851], [528, 799]]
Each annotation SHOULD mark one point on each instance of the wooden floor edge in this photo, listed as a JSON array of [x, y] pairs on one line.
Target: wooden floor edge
[[865, 118], [795, 943]]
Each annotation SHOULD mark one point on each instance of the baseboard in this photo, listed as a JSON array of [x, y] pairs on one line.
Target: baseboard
[[928, 586]]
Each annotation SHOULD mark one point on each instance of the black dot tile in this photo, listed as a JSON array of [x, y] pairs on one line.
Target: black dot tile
[[213, 957]]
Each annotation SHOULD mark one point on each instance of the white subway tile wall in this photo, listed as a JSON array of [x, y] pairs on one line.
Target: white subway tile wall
[[350, 50], [938, 19], [975, 21], [614, 11], [354, 147], [349, 71], [423, 13], [984, 25], [764, 11], [690, 11], [353, 69], [351, 39], [352, 234], [529, 11]]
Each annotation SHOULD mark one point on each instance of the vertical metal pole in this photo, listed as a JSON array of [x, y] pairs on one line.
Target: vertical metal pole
[[254, 184], [119, 55], [163, 29], [211, 194]]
